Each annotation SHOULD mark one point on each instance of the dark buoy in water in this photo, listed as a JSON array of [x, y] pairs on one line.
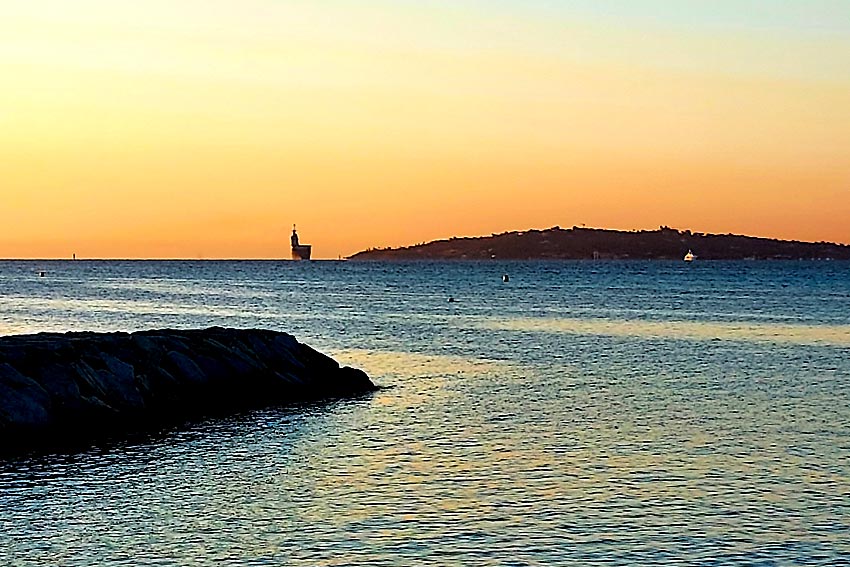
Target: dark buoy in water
[[451, 300], [42, 274], [506, 278]]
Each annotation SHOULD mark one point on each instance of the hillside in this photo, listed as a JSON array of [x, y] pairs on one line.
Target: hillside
[[589, 243]]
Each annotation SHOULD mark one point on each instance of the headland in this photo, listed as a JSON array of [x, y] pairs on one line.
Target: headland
[[578, 243]]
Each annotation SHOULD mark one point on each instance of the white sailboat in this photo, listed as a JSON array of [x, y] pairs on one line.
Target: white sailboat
[[689, 257]]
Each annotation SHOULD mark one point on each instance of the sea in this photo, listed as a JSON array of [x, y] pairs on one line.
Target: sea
[[580, 413]]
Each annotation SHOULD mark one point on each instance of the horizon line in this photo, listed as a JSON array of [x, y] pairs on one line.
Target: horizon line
[[73, 258]]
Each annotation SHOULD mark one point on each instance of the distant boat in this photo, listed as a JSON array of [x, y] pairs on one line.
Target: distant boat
[[299, 251], [689, 257]]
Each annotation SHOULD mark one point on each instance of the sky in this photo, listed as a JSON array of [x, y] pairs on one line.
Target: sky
[[205, 129]]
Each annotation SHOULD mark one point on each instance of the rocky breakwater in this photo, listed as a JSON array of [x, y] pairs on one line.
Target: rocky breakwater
[[58, 387]]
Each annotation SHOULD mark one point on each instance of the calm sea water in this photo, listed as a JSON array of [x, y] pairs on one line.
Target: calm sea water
[[581, 414]]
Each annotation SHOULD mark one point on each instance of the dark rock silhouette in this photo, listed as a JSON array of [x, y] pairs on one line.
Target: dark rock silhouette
[[589, 243], [56, 387]]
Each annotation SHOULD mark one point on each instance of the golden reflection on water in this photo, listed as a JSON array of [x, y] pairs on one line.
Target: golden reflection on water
[[431, 371], [802, 334], [13, 328], [427, 488], [412, 365]]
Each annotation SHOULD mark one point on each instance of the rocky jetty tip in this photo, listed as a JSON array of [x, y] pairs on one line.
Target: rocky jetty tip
[[56, 388]]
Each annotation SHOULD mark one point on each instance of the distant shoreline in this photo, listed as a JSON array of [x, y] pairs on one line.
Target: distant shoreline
[[58, 266], [578, 243], [432, 260], [556, 243]]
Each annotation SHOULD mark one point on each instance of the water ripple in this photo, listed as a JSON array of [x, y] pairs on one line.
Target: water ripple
[[585, 414]]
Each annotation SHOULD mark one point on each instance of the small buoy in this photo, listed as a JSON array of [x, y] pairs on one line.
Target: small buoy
[[42, 274], [451, 300], [505, 278]]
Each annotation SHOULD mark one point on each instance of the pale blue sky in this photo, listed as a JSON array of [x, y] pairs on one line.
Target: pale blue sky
[[782, 16]]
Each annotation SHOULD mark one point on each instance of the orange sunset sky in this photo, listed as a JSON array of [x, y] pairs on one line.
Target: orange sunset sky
[[186, 129]]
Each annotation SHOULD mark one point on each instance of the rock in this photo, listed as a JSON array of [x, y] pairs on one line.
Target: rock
[[186, 369], [22, 401], [55, 386], [58, 381], [88, 380], [120, 380]]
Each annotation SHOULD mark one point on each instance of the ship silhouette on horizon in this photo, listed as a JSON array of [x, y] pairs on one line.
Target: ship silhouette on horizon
[[299, 251]]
